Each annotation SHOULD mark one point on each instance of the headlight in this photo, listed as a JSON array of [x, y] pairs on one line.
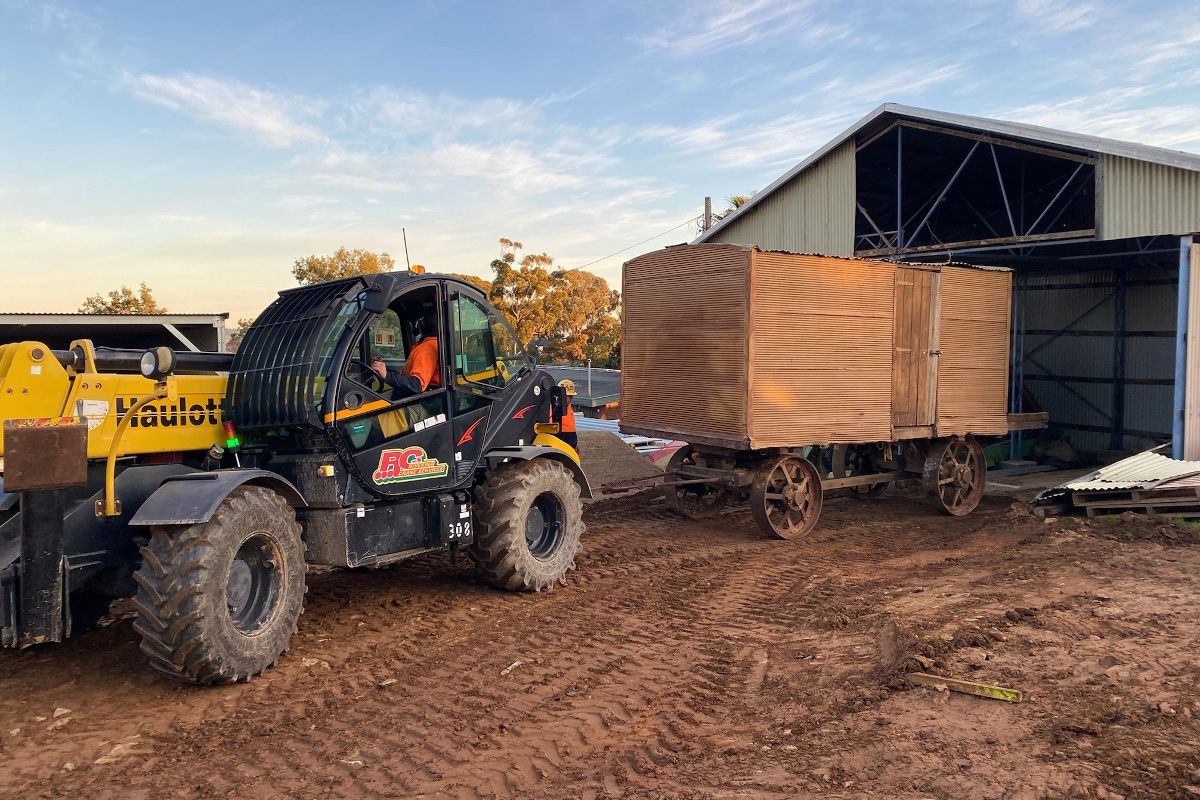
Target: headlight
[[157, 363]]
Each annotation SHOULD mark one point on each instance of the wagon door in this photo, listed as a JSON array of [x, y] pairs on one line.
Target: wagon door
[[914, 339]]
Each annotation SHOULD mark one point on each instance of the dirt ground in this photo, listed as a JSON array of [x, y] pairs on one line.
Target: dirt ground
[[683, 660]]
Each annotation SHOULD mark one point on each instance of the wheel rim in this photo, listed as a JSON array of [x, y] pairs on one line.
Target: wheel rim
[[697, 499], [253, 586], [960, 476], [544, 526], [787, 499]]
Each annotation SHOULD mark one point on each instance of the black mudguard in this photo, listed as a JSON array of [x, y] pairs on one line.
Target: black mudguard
[[530, 452], [194, 498]]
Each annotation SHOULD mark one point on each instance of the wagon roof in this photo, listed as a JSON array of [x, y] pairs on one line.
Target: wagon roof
[[747, 248]]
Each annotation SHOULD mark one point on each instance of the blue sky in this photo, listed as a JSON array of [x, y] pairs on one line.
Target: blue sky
[[203, 147]]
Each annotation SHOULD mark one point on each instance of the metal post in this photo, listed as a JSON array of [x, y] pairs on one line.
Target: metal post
[[42, 566], [1016, 399], [1117, 439], [1181, 320], [899, 187], [589, 377]]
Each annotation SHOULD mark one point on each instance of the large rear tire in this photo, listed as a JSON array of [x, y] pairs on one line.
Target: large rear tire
[[529, 525], [218, 602]]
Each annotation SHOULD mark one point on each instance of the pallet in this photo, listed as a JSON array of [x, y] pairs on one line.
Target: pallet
[[1174, 494], [1180, 510]]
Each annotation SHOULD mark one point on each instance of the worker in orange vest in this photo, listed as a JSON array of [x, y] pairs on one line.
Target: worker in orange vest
[[420, 372], [566, 425]]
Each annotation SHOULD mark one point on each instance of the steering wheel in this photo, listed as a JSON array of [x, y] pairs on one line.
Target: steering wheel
[[368, 376]]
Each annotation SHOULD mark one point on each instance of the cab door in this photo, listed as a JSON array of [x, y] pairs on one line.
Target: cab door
[[399, 443], [488, 359], [915, 356]]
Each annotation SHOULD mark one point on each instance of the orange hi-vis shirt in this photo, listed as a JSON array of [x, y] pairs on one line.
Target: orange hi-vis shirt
[[422, 363], [568, 420]]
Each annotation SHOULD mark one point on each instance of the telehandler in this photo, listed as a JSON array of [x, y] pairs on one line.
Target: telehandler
[[201, 484]]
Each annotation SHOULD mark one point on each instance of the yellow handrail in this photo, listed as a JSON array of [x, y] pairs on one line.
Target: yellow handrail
[[111, 504]]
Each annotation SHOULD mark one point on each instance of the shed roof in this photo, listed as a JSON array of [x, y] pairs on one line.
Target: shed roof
[[76, 317], [605, 384], [1019, 131]]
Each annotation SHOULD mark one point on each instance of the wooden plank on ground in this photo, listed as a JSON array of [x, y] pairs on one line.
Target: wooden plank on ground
[[966, 687]]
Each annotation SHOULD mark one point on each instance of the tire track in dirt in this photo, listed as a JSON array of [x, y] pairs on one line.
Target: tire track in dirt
[[653, 673], [642, 663]]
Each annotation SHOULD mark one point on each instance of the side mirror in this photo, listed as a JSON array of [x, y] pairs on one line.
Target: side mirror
[[534, 350], [375, 301]]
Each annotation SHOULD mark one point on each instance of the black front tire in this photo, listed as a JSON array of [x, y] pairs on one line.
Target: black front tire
[[529, 525], [218, 602]]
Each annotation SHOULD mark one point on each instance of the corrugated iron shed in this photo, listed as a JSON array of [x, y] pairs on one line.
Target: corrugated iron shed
[[1141, 190], [1101, 235]]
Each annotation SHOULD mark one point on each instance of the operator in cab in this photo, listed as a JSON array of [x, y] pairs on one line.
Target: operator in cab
[[421, 371], [566, 425]]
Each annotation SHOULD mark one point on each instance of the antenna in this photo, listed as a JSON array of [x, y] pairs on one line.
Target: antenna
[[407, 264]]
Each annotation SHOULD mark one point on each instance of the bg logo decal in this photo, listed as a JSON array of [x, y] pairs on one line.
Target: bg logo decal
[[409, 464]]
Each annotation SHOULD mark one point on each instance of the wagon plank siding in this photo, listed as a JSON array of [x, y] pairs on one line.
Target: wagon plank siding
[[972, 387], [731, 346], [683, 351], [821, 368]]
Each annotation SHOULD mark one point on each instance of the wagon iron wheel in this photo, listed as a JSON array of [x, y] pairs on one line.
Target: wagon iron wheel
[[786, 497], [955, 474], [693, 500]]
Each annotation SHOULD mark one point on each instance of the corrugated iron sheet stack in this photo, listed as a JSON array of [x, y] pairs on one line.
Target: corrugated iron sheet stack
[[1148, 483]]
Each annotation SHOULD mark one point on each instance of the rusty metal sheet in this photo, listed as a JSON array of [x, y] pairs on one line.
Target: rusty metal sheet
[[44, 453], [1136, 472]]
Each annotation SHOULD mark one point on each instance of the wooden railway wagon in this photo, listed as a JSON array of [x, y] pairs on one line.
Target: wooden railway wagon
[[789, 375]]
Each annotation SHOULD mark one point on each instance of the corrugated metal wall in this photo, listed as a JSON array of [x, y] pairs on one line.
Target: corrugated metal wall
[[812, 213], [821, 350], [974, 316], [1140, 198], [1191, 405], [1087, 354], [684, 340]]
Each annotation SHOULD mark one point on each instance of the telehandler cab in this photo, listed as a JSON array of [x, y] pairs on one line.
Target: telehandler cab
[[203, 496]]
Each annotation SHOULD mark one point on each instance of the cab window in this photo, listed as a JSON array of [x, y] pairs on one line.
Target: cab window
[[487, 351]]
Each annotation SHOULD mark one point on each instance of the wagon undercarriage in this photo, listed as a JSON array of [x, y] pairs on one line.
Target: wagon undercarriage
[[786, 487]]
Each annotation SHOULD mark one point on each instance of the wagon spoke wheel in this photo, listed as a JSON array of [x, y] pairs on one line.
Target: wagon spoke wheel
[[955, 474], [786, 497], [693, 500]]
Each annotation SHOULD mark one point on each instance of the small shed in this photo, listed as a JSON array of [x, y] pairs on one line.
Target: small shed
[[732, 346], [598, 390], [194, 332]]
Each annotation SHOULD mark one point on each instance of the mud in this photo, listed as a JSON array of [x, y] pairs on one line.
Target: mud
[[683, 660]]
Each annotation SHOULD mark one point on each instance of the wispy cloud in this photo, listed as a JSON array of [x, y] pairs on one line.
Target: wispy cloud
[[273, 118], [703, 30], [1121, 114], [1057, 17], [769, 140]]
